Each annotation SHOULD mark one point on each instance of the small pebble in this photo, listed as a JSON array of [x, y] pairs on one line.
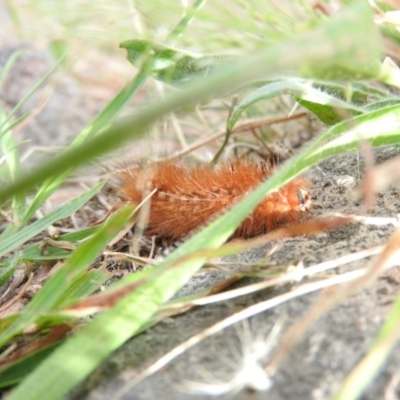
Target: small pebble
[[345, 181]]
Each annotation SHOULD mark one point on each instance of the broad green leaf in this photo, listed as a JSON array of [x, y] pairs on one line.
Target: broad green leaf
[[327, 113], [170, 65], [382, 104], [357, 92], [327, 108], [13, 241], [380, 128]]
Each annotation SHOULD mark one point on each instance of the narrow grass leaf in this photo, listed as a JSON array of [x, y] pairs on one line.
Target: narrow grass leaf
[[107, 116], [351, 28], [34, 252], [49, 297], [115, 326], [101, 122], [189, 15], [13, 165], [10, 243], [86, 285], [380, 128], [11, 125], [29, 94], [326, 107], [16, 372], [5, 70], [7, 271]]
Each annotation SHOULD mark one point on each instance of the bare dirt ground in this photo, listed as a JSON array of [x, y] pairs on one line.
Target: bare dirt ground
[[328, 351]]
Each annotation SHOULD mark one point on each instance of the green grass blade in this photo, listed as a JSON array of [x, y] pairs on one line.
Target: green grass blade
[[118, 324], [9, 268], [34, 253], [65, 279], [11, 242], [172, 66], [13, 166], [350, 29], [326, 107], [346, 136], [11, 125], [16, 372], [5, 70], [104, 119], [185, 21], [29, 94], [83, 287]]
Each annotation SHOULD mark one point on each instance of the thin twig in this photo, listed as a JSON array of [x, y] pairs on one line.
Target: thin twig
[[240, 128], [19, 296]]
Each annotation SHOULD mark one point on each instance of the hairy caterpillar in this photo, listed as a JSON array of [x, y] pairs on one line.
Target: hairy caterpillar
[[187, 197]]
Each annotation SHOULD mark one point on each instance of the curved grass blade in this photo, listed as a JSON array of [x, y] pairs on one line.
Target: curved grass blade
[[13, 166], [50, 296], [66, 367], [11, 242], [16, 372], [29, 94], [117, 325], [34, 253], [326, 107], [5, 70], [106, 117], [351, 29], [380, 128]]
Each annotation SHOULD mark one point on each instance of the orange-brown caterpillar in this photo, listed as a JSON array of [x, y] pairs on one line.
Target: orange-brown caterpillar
[[187, 197]]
